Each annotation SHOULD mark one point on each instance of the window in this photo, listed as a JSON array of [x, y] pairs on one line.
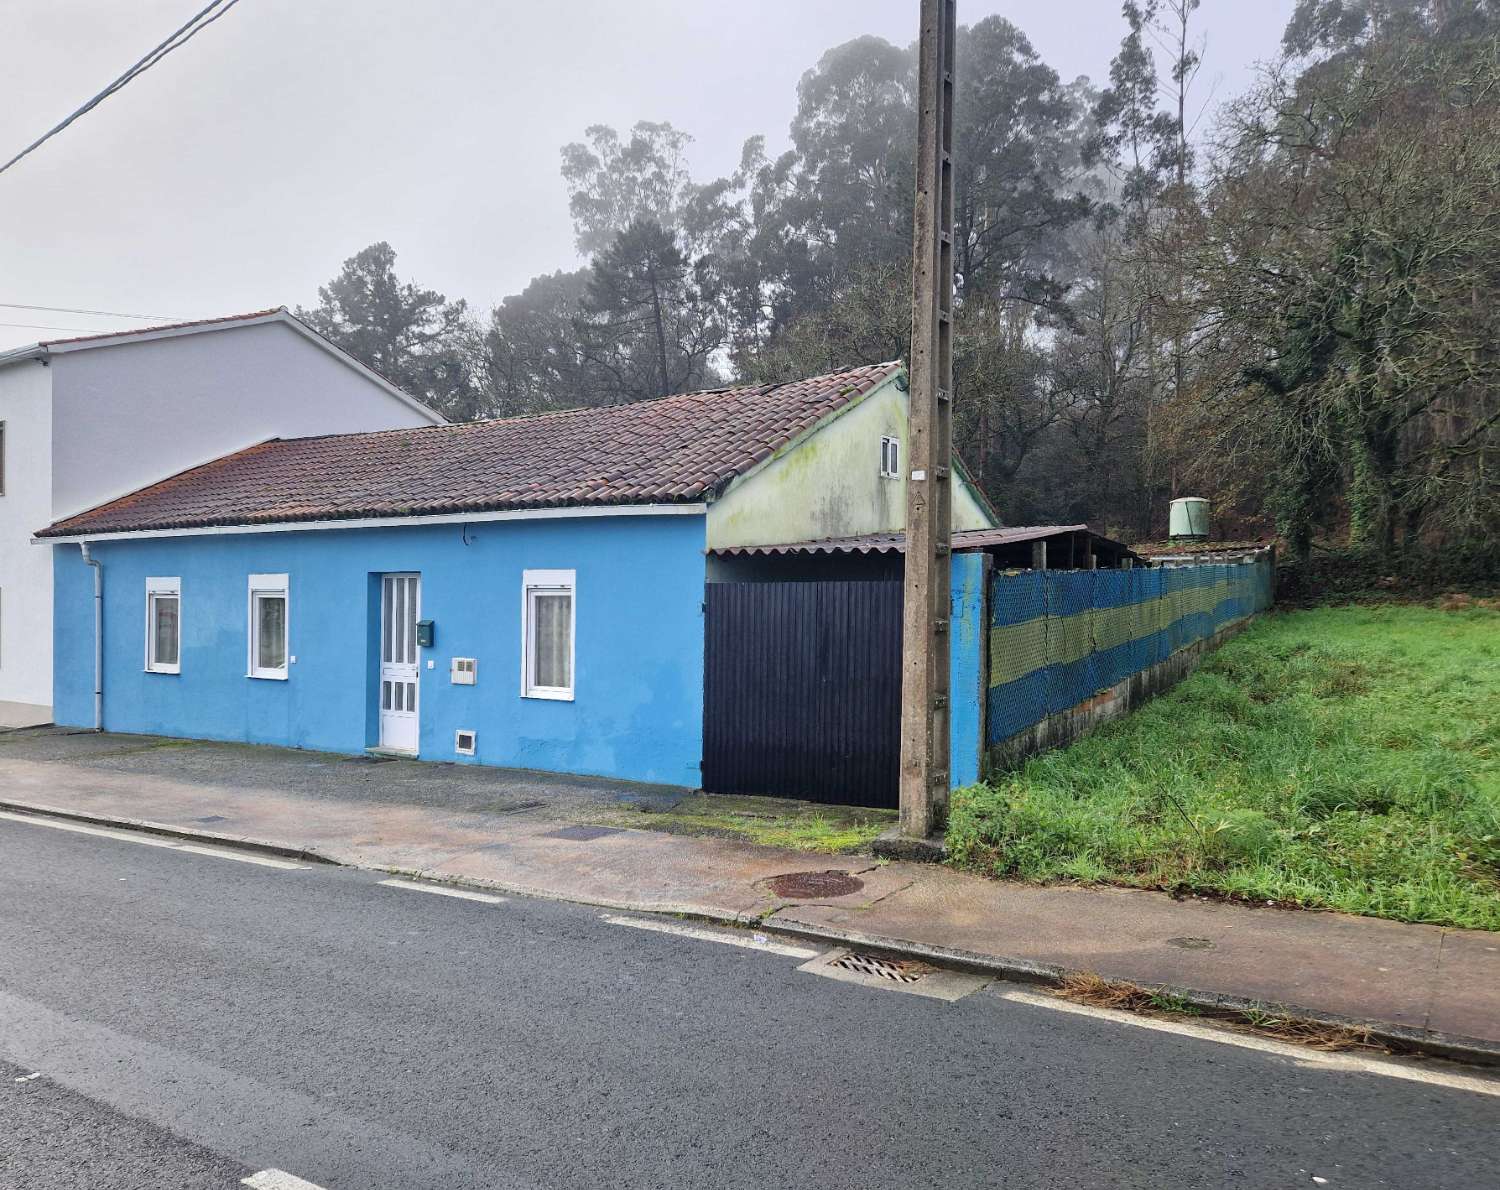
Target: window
[[164, 625], [890, 458], [547, 634], [268, 625]]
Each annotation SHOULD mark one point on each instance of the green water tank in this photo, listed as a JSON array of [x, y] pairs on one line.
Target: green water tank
[[1188, 520]]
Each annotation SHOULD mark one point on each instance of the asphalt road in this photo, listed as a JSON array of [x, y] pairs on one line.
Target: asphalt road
[[194, 1019]]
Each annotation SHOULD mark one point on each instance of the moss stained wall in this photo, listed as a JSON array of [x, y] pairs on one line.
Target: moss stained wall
[[828, 484]]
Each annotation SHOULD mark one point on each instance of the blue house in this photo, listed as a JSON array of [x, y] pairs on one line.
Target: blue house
[[526, 592]]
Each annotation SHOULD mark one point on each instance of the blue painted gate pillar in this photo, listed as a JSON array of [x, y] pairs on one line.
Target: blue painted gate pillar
[[967, 642]]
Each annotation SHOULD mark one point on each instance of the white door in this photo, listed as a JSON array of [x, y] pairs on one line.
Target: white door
[[400, 609]]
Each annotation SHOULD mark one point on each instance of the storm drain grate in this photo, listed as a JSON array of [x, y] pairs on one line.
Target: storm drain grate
[[869, 964], [909, 977]]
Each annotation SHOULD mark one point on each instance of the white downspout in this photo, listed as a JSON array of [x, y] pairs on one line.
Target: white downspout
[[98, 634]]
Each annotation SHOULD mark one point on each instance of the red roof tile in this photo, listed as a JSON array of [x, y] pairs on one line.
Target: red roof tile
[[678, 449], [163, 326]]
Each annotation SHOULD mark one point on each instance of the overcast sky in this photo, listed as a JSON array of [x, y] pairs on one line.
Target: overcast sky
[[242, 170]]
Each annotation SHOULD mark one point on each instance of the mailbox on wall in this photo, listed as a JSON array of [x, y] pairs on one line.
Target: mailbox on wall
[[424, 634]]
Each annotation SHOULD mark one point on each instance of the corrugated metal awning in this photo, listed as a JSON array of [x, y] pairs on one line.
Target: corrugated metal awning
[[884, 543]]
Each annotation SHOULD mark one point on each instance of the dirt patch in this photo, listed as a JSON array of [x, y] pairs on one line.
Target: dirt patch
[[1459, 601], [1122, 996]]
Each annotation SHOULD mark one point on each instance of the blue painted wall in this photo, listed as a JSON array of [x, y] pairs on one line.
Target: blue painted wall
[[968, 637], [637, 713]]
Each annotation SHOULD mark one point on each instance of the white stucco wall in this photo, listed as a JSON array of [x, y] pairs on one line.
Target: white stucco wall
[[25, 570], [128, 415], [96, 424], [829, 484]]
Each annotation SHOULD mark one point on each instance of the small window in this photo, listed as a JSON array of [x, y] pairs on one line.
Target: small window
[[164, 625], [547, 634], [890, 458], [268, 626]]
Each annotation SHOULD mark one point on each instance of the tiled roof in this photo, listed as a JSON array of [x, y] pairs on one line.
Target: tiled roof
[[163, 326], [679, 449]]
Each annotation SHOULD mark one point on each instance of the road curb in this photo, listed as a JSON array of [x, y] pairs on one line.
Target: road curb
[[166, 830], [1403, 1038]]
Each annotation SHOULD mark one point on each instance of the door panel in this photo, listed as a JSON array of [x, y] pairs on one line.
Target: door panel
[[802, 691], [400, 607]]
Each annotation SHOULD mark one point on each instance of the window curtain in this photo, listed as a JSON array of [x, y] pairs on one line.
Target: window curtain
[[552, 616]]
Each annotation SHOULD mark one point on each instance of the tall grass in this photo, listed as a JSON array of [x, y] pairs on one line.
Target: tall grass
[[1346, 758]]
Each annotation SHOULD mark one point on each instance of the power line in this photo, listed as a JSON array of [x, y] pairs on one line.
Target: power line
[[99, 313], [178, 39], [34, 326]]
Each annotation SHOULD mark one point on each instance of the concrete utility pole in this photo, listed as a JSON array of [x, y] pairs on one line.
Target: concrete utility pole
[[929, 496]]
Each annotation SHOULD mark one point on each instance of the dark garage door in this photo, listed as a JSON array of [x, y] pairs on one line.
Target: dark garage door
[[802, 691]]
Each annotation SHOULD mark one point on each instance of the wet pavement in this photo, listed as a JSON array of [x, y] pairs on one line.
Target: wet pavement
[[521, 832]]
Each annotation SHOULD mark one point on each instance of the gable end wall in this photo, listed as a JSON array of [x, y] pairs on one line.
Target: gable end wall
[[828, 484], [128, 415]]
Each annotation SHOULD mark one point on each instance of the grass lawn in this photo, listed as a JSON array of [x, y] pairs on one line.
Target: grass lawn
[[1345, 758]]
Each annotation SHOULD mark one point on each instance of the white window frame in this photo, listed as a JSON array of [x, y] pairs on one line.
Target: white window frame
[[548, 582], [274, 585], [155, 588], [890, 457]]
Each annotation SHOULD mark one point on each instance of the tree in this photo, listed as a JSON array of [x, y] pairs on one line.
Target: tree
[[532, 360], [613, 183], [414, 337], [1020, 135], [1348, 253], [650, 321]]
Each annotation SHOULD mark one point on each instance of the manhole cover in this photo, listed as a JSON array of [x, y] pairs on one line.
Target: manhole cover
[[804, 886], [1191, 943], [582, 834]]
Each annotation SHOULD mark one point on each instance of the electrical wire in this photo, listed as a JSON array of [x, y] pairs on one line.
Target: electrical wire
[[99, 313], [178, 39], [33, 326]]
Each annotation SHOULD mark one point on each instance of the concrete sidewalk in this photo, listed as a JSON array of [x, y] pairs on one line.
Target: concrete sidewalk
[[1422, 984]]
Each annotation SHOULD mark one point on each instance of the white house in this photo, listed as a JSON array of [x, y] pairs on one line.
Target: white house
[[87, 420]]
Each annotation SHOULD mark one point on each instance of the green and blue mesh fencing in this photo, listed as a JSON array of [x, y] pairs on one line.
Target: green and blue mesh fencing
[[1058, 637]]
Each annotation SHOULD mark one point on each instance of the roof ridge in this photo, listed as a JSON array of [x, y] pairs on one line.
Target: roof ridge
[[164, 326], [764, 388]]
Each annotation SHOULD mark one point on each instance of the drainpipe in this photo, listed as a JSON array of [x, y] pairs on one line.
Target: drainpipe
[[98, 634]]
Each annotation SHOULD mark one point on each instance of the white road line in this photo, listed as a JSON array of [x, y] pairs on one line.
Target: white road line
[[748, 941], [277, 1179], [147, 840], [444, 890], [244, 857], [80, 829], [1311, 1059]]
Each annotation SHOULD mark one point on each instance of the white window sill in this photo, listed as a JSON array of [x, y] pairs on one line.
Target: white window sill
[[161, 669], [268, 677], [548, 695]]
